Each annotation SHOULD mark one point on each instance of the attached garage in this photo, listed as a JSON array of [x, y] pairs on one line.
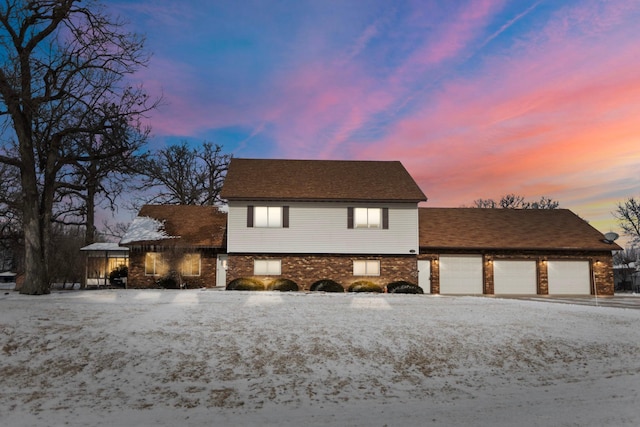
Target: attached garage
[[461, 274], [520, 246], [569, 278], [515, 277]]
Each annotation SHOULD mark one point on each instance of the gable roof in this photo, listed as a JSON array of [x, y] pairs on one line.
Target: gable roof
[[521, 229], [305, 180], [178, 226]]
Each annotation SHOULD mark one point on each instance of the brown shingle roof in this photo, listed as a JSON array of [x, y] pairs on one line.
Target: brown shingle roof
[[533, 229], [194, 226], [262, 179]]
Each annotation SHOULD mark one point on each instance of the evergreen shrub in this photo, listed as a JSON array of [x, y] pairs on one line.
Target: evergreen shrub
[[404, 287], [283, 285], [364, 286], [245, 284], [326, 285]]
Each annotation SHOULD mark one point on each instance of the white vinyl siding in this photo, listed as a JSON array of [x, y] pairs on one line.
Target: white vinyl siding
[[461, 275], [321, 227], [366, 268], [266, 267], [515, 277], [569, 277]]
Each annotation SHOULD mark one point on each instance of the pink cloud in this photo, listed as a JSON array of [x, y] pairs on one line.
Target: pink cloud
[[539, 123]]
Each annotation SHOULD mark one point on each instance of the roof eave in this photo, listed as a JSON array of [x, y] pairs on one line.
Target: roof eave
[[317, 199], [514, 248]]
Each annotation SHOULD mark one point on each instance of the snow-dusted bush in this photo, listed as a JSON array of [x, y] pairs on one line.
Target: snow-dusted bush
[[364, 286], [117, 274], [171, 280], [327, 285], [283, 285], [245, 284], [404, 287]]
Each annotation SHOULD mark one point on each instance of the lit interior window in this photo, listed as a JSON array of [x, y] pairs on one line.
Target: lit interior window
[[266, 267], [367, 217], [267, 216], [366, 268]]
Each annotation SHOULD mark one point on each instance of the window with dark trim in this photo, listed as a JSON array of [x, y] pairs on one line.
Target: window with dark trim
[[368, 218], [268, 216]]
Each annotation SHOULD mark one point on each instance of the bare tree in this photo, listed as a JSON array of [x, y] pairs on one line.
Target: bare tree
[[10, 218], [544, 203], [98, 178], [185, 175], [62, 78], [628, 214], [514, 201], [624, 259], [485, 203]]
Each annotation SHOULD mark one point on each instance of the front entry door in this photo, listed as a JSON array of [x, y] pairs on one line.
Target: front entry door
[[221, 270]]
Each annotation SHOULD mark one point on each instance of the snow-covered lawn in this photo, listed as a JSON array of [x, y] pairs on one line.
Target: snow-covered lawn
[[203, 357]]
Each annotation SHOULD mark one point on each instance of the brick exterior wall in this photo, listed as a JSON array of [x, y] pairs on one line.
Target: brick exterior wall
[[601, 267], [138, 279], [306, 269]]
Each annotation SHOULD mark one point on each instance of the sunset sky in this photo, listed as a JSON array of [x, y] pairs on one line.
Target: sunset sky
[[477, 98]]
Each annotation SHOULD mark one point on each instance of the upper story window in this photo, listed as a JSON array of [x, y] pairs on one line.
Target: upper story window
[[268, 216], [368, 218]]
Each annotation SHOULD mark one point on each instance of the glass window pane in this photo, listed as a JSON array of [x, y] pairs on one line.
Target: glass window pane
[[275, 216], [260, 216], [259, 267], [360, 217], [374, 217], [359, 268], [150, 263], [373, 268], [191, 265], [274, 267]]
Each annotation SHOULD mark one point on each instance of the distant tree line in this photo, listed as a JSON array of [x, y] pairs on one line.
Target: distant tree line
[[628, 215], [514, 201], [72, 137]]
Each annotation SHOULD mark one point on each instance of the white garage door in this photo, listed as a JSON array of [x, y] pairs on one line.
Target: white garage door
[[514, 277], [460, 274], [569, 278], [424, 275]]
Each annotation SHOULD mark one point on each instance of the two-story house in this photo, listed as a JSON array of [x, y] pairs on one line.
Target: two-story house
[[307, 220], [313, 219]]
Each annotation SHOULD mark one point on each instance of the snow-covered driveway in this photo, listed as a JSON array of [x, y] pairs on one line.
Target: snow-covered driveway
[[240, 358]]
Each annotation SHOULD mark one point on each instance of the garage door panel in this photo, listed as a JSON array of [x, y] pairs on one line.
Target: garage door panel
[[569, 277], [515, 277], [461, 275]]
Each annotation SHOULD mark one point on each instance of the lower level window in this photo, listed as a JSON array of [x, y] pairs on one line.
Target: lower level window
[[190, 265], [366, 268], [266, 267], [154, 264]]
